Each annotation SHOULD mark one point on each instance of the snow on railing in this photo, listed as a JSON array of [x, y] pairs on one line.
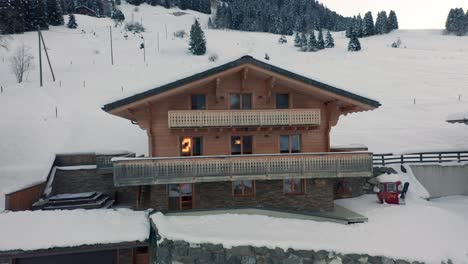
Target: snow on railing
[[243, 118]]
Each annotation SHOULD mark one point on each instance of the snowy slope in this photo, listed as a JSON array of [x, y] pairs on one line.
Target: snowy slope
[[425, 231], [432, 70]]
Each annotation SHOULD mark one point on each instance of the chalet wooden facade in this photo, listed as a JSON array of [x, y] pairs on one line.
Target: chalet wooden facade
[[243, 134]]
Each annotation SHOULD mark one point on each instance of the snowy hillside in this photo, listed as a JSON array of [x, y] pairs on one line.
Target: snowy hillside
[[431, 71]]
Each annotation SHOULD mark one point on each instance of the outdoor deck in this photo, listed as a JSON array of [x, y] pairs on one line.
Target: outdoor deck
[[169, 170]]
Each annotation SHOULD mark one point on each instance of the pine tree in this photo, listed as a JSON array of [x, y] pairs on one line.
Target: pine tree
[[368, 25], [312, 45], [183, 4], [118, 2], [457, 22], [320, 41], [329, 41], [41, 15], [350, 27], [304, 45], [282, 39], [210, 23], [54, 13], [381, 24], [72, 21], [205, 6], [297, 40], [197, 39], [358, 26], [392, 21], [118, 16], [354, 44]]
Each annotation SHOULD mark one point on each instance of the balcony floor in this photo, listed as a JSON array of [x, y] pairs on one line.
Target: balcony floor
[[339, 214]]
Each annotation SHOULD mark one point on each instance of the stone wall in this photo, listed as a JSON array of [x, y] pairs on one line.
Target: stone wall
[[269, 194], [169, 252], [76, 181], [350, 187]]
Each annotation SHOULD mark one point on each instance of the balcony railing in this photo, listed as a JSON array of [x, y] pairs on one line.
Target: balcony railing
[[143, 171], [243, 118]]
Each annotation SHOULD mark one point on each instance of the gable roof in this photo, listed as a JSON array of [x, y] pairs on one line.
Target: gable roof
[[243, 60]]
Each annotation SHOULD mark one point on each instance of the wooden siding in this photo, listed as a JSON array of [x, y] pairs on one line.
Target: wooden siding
[[128, 172], [23, 199]]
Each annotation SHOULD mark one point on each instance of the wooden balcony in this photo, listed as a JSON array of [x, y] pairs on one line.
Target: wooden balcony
[[145, 171], [243, 118]]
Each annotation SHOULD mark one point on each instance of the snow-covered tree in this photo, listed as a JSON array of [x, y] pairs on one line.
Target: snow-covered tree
[[312, 44], [457, 22], [72, 21], [54, 13], [392, 21], [381, 24], [197, 39], [368, 25], [329, 41], [282, 39], [304, 43], [118, 16], [354, 44], [297, 40], [320, 41], [357, 27]]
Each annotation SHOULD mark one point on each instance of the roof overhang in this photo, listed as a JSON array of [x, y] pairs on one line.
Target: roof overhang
[[120, 107]]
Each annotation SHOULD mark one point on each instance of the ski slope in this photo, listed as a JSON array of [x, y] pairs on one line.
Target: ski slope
[[418, 86]]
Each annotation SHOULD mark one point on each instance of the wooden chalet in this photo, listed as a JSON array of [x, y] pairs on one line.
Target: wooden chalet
[[84, 10], [243, 134]]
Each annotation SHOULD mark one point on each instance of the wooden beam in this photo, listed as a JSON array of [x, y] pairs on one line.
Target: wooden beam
[[269, 86], [218, 91], [245, 73]]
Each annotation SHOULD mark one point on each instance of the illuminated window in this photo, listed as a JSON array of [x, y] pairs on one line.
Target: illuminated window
[[191, 146], [290, 143], [282, 101], [198, 102], [241, 145], [294, 186], [243, 188], [240, 101]]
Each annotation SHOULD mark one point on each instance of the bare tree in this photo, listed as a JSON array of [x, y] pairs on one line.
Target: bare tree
[[21, 62], [3, 42]]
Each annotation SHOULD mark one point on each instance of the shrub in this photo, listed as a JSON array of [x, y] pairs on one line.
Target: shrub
[[180, 34], [134, 27], [213, 57]]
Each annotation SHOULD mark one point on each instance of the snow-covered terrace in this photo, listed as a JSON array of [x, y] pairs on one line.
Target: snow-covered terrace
[[36, 230]]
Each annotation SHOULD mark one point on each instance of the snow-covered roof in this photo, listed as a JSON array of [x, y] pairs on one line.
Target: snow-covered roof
[[71, 228], [232, 64], [458, 118]]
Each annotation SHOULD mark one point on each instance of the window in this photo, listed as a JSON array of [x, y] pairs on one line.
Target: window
[[198, 102], [241, 145], [180, 196], [191, 146], [391, 187], [282, 101], [290, 143], [240, 101], [243, 188], [294, 186]]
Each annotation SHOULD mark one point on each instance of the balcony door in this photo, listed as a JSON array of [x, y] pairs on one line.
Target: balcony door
[[180, 196]]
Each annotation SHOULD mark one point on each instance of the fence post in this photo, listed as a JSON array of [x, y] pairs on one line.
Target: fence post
[[458, 156], [402, 159], [383, 160], [420, 157]]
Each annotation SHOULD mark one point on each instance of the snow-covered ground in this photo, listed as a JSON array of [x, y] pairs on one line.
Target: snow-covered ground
[[418, 86], [32, 230], [420, 230]]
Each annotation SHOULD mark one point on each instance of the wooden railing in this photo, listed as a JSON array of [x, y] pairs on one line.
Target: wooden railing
[[142, 171], [243, 118], [422, 157]]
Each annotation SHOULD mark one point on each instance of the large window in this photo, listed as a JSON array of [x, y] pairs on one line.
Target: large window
[[191, 146], [241, 145], [290, 143], [240, 101], [198, 102], [294, 186], [243, 188], [180, 196], [282, 101]]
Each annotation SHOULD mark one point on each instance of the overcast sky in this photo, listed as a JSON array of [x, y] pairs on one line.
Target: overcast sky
[[412, 14]]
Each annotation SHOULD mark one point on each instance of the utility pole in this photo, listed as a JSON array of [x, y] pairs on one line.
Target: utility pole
[[112, 50], [165, 25], [47, 55], [158, 42], [40, 55], [144, 51]]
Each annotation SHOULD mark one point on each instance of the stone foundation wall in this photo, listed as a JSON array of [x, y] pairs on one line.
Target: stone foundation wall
[[268, 194], [350, 187], [169, 252]]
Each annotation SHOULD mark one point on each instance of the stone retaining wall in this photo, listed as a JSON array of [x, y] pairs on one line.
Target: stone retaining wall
[[169, 252]]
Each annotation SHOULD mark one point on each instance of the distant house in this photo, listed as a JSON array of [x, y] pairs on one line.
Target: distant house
[[84, 10]]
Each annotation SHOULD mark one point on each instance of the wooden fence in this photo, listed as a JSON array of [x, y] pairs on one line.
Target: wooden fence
[[422, 157]]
